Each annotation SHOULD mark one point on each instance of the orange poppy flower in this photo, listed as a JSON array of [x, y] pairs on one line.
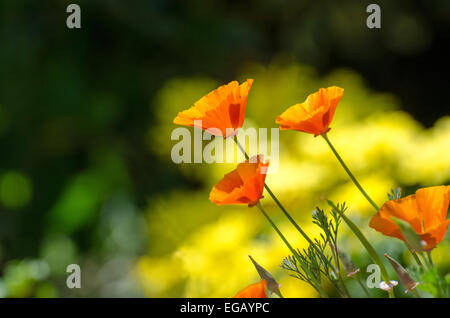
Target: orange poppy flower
[[314, 115], [425, 211], [257, 290], [244, 185], [221, 112]]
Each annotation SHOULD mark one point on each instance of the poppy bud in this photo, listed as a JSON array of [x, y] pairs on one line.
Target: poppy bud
[[271, 283], [402, 274]]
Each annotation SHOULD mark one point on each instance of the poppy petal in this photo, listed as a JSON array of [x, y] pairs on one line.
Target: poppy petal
[[257, 290]]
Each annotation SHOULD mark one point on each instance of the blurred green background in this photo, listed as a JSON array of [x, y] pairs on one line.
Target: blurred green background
[[86, 116]]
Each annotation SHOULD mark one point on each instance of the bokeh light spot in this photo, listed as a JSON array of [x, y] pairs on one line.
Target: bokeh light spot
[[15, 190]]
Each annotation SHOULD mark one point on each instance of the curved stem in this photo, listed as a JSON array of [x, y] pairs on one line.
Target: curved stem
[[285, 212], [350, 174], [293, 251], [277, 229]]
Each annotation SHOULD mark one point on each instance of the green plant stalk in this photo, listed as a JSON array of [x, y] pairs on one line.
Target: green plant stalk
[[373, 254], [362, 286], [293, 251], [286, 213], [338, 267], [430, 259], [350, 174], [425, 261], [416, 258], [318, 288], [344, 288]]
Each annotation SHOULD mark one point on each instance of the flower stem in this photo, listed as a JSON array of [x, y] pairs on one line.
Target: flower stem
[[322, 293], [286, 213], [350, 174], [241, 148], [276, 229], [373, 254], [363, 287], [430, 260], [416, 258]]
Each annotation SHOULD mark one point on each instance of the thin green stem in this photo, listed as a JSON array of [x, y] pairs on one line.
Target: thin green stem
[[318, 288], [416, 258], [285, 212], [350, 174], [241, 148], [344, 288], [293, 251], [277, 230], [321, 292], [362, 286], [425, 261], [334, 252], [373, 254], [429, 258]]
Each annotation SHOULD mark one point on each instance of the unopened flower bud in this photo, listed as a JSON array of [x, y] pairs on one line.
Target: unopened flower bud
[[402, 274], [272, 284]]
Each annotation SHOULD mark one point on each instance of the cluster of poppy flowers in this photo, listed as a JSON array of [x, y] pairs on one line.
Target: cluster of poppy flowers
[[222, 113]]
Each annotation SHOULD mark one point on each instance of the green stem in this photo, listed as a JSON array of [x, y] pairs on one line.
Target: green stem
[[286, 213], [293, 251], [430, 259], [363, 287], [425, 261], [241, 148], [277, 230], [321, 292], [344, 288], [334, 252], [318, 288], [350, 174], [416, 258], [373, 254]]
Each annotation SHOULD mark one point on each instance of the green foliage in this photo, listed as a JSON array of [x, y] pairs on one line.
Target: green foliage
[[430, 281], [312, 264], [395, 194]]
